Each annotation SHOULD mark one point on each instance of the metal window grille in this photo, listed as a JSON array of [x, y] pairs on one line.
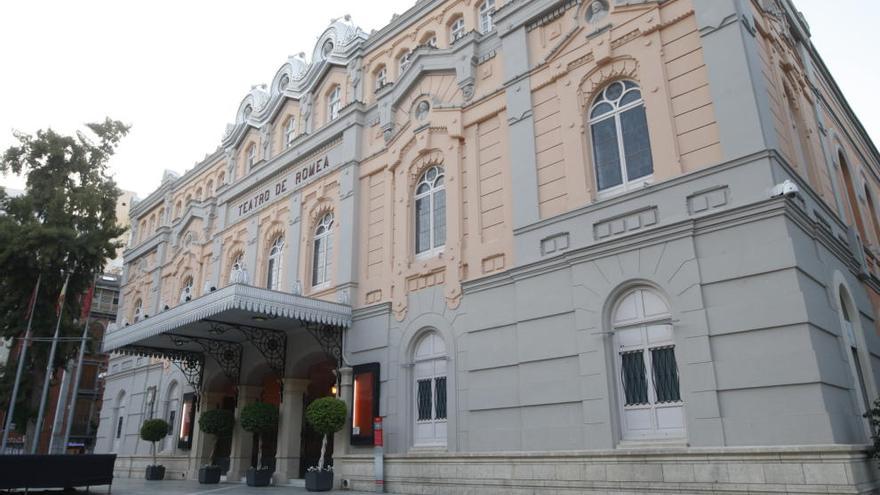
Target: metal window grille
[[665, 374], [635, 386], [423, 399], [440, 397]]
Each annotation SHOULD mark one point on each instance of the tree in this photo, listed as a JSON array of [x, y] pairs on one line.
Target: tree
[[260, 418], [217, 422], [152, 431], [64, 223], [326, 416]]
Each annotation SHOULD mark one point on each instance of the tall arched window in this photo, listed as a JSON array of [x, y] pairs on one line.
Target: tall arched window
[[381, 78], [251, 156], [619, 133], [138, 311], [172, 408], [322, 252], [487, 10], [118, 435], [290, 131], [273, 265], [456, 30], [848, 313], [237, 271], [850, 188], [430, 208], [650, 399], [186, 290], [429, 393], [334, 103]]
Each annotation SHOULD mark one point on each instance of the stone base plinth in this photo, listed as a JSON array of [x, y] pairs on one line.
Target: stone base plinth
[[795, 470]]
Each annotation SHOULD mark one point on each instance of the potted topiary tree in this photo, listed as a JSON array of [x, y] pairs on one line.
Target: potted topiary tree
[[326, 416], [259, 418], [217, 422], [152, 431]]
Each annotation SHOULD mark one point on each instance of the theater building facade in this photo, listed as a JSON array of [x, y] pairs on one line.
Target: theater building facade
[[591, 246]]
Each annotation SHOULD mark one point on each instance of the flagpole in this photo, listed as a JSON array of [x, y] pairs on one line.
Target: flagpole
[[20, 368], [49, 369], [71, 404]]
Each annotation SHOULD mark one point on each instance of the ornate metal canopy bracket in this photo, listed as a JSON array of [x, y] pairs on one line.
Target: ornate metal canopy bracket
[[191, 364], [226, 354], [272, 344], [329, 337]]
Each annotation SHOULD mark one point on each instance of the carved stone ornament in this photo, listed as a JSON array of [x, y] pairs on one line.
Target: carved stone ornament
[[422, 110], [596, 11], [468, 91]]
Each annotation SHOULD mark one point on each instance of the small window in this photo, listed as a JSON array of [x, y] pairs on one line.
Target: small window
[[119, 428], [273, 265], [381, 78], [334, 103], [322, 254], [327, 49], [430, 211], [456, 30], [138, 310], [251, 156], [403, 61], [487, 10], [186, 290], [290, 131], [619, 134], [283, 82]]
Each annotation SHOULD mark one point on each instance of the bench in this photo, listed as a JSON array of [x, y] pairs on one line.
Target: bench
[[56, 471]]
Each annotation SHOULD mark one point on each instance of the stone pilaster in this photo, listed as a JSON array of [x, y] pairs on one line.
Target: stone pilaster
[[341, 438], [202, 444], [242, 441], [287, 455]]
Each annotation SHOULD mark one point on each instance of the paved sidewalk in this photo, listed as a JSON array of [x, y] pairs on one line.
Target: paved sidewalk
[[133, 486]]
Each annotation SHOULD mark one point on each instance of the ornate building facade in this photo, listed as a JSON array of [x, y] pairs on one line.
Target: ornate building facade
[[610, 245]]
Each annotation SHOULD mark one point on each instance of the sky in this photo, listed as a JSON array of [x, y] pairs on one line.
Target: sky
[[176, 71]]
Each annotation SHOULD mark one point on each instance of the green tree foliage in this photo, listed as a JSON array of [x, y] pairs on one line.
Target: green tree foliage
[[154, 430], [327, 416], [65, 222], [218, 422], [260, 418]]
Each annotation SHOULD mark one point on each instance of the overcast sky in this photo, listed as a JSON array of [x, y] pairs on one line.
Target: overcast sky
[[177, 70]]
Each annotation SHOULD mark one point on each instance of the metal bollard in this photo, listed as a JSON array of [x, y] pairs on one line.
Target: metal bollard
[[378, 455]]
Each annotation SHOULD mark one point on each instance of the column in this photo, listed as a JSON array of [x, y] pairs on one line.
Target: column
[[341, 438], [202, 445], [242, 441], [289, 429]]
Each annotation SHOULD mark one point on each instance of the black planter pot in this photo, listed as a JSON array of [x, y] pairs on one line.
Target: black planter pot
[[259, 477], [319, 481], [209, 475], [155, 473]]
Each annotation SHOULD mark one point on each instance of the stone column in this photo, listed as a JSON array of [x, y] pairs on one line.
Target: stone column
[[289, 430], [341, 438], [242, 441], [202, 444]]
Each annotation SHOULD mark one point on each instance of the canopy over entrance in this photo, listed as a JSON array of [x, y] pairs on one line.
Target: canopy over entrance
[[218, 325]]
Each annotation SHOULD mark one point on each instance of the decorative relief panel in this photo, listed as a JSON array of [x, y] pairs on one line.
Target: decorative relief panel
[[554, 244], [703, 201], [493, 263], [626, 223], [423, 281]]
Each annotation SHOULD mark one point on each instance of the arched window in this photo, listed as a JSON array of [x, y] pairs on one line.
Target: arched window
[[237, 271], [273, 265], [138, 311], [848, 312], [381, 78], [290, 131], [850, 188], [456, 30], [430, 209], [172, 408], [619, 133], [322, 251], [487, 10], [429, 39], [186, 290], [251, 156], [403, 62], [429, 391], [118, 438], [650, 399], [334, 103]]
